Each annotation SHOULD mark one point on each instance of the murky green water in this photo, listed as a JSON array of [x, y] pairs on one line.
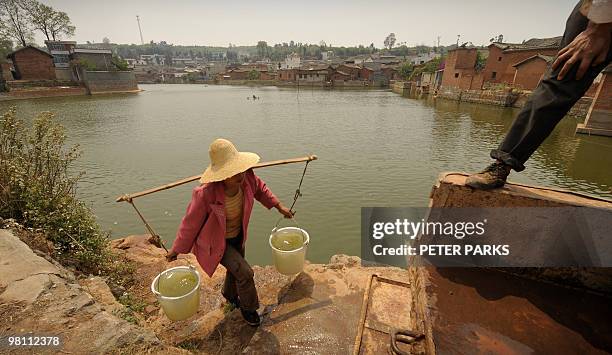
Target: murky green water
[[375, 147]]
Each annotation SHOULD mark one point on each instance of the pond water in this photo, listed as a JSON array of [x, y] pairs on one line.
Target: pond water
[[375, 148]]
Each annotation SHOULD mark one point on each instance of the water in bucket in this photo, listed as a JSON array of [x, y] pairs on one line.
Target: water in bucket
[[288, 241], [178, 292], [176, 283], [289, 246]]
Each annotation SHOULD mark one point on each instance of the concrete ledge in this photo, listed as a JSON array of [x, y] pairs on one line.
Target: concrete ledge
[[583, 129], [450, 191]]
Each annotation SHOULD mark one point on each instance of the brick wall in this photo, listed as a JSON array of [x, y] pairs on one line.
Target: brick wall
[[528, 75], [459, 69], [32, 64], [504, 70]]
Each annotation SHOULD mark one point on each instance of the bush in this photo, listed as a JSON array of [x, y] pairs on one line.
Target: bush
[[120, 63], [38, 190], [253, 75]]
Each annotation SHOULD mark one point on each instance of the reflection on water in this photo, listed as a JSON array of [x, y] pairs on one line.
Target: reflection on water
[[375, 148]]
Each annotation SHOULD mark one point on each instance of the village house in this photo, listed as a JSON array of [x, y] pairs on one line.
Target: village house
[[338, 75], [31, 63], [98, 59], [366, 73], [153, 59], [352, 70], [236, 74], [389, 71], [499, 67], [61, 50], [287, 74], [423, 58], [327, 55], [314, 73], [529, 72], [460, 69], [292, 61]]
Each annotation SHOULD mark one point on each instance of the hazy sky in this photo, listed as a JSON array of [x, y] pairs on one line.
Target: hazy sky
[[337, 22]]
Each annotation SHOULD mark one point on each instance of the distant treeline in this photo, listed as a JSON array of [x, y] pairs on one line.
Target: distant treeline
[[277, 52]]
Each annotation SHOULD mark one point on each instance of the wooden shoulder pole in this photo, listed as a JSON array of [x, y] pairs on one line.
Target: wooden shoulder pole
[[128, 197]]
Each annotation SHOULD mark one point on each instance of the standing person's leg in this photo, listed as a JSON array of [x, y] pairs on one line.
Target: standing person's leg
[[230, 291], [547, 105], [241, 282]]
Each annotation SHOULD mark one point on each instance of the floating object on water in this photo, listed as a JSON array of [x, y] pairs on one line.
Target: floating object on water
[[178, 291], [289, 246]]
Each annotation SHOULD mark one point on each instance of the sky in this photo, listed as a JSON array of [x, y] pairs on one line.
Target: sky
[[337, 22]]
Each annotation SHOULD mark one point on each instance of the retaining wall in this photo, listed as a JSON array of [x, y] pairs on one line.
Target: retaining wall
[[98, 82]]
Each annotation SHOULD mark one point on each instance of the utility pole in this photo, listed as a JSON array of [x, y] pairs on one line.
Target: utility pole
[[139, 29]]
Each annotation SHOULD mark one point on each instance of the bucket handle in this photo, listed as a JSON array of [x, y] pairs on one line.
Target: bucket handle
[[296, 224]]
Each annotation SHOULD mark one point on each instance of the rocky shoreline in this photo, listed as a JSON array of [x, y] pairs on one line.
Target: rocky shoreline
[[316, 311]]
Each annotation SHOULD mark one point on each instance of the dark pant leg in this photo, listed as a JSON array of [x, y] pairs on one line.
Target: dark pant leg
[[547, 105], [239, 281]]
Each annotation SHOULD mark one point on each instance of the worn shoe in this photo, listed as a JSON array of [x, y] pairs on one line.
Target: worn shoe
[[493, 176], [251, 317]]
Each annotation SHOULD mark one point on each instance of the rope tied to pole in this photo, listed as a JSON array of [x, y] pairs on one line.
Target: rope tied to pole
[[298, 192]]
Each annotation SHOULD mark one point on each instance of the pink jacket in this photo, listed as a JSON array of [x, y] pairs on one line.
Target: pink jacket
[[202, 230]]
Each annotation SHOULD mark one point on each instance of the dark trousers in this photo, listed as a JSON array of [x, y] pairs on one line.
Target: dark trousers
[[548, 103], [239, 283]]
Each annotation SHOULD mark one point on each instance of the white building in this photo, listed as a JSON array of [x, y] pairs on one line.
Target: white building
[[153, 59], [327, 55], [292, 61], [424, 58]]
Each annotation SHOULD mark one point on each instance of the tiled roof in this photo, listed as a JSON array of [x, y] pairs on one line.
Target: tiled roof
[[534, 43], [545, 58], [26, 47]]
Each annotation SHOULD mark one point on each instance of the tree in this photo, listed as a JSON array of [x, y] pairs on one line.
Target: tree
[[47, 20], [14, 23], [405, 70], [253, 75], [61, 25], [105, 40], [322, 44], [498, 39], [390, 40], [262, 49], [6, 47]]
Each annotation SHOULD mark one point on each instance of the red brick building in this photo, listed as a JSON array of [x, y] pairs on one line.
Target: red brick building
[[237, 74], [389, 71], [287, 74], [339, 75], [351, 69], [31, 63], [460, 69], [365, 73], [529, 72], [499, 67]]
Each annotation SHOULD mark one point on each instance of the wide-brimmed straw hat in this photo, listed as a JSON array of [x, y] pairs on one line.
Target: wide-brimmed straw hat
[[226, 161]]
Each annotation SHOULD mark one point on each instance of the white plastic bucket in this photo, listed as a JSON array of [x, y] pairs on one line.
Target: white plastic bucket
[[289, 262], [182, 307]]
